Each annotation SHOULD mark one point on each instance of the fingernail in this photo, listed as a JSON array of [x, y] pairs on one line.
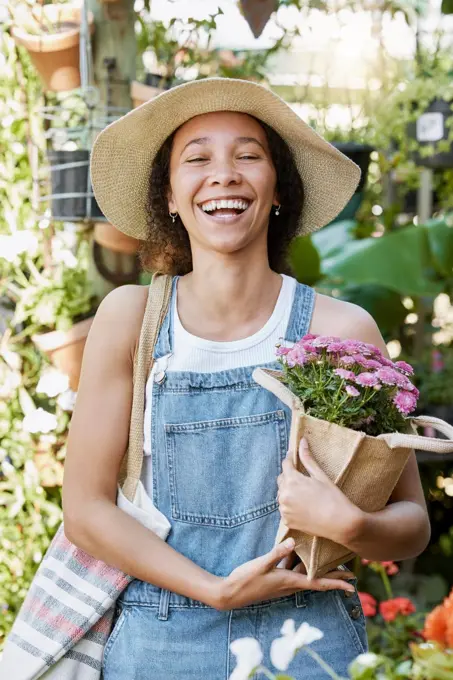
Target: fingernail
[[289, 543], [350, 589]]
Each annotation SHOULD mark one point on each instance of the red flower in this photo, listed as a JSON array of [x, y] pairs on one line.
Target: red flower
[[390, 567], [368, 603], [390, 609]]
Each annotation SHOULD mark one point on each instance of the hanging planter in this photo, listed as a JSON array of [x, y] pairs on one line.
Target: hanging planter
[[51, 34], [72, 194], [361, 155], [141, 93], [432, 130], [65, 349], [110, 237]]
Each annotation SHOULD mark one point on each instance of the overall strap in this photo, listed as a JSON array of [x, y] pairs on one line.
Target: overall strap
[[301, 313], [156, 309]]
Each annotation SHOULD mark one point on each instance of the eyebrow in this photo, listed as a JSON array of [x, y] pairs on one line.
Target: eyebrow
[[240, 140]]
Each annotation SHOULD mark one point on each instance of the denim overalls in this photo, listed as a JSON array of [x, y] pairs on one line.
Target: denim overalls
[[218, 441]]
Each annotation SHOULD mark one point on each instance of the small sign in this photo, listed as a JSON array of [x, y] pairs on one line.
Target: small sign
[[430, 127]]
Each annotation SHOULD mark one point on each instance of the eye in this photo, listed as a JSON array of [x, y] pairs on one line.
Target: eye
[[198, 159], [248, 157]]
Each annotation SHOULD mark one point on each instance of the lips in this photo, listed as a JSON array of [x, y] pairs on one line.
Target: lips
[[224, 215]]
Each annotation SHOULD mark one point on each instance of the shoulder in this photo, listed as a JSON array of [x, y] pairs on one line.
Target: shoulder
[[332, 316], [119, 319]]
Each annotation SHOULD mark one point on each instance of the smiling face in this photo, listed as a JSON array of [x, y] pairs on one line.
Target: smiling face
[[222, 181]]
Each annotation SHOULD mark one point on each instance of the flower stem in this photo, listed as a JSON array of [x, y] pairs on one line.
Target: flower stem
[[325, 666], [386, 582], [266, 672]]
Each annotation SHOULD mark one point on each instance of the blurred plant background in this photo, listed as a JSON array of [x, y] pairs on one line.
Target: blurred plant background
[[375, 78]]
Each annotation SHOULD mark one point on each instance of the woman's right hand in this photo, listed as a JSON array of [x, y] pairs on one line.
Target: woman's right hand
[[261, 579]]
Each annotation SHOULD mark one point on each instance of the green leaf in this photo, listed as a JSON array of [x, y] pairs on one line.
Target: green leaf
[[398, 261], [332, 238], [305, 260], [440, 239], [280, 676], [447, 7]]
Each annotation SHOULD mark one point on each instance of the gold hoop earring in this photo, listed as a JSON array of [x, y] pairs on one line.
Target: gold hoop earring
[[173, 216]]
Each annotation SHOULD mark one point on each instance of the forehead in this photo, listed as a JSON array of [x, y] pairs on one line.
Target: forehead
[[220, 124]]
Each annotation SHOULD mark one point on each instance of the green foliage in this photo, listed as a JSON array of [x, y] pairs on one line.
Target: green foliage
[[56, 298], [315, 379]]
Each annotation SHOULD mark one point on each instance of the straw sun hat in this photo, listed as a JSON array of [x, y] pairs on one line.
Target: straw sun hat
[[124, 152]]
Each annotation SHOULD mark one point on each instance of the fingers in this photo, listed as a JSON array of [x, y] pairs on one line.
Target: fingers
[[276, 555], [309, 462]]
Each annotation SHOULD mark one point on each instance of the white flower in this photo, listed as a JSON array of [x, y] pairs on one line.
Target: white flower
[[10, 382], [368, 660], [52, 383], [19, 242], [67, 400], [284, 648], [248, 655], [39, 421]]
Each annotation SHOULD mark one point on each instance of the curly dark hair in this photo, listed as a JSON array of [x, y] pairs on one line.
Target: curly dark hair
[[167, 248]]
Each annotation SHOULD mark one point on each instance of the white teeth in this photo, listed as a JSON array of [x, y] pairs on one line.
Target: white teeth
[[234, 204]]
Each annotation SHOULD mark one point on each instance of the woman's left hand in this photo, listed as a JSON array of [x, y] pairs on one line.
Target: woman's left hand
[[313, 503]]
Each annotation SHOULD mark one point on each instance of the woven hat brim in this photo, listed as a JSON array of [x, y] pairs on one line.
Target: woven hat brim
[[123, 152]]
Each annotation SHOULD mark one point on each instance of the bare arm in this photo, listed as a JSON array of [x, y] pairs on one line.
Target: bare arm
[[401, 530], [96, 445]]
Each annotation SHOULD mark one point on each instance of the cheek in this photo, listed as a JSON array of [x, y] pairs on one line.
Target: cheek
[[185, 185]]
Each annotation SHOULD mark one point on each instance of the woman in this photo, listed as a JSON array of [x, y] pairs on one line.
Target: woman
[[217, 176]]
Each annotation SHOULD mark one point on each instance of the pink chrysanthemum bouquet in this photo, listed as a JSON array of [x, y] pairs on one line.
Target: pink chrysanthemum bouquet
[[352, 405], [349, 383]]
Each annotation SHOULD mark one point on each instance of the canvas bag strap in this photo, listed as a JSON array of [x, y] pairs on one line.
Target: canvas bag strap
[[271, 380], [156, 309], [416, 441]]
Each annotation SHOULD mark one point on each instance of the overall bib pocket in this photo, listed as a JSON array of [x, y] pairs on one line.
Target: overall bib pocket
[[212, 479]]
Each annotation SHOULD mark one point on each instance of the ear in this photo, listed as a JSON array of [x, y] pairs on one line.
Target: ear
[[171, 203], [276, 199]]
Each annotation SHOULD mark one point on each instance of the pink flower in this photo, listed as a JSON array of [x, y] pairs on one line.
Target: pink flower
[[324, 340], [335, 347], [389, 376], [296, 356], [404, 367], [386, 362], [367, 379], [352, 391], [372, 363], [361, 360], [347, 361], [405, 401], [282, 351], [309, 336], [344, 374]]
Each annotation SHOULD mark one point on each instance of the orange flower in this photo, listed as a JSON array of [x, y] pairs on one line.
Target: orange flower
[[436, 625], [390, 609], [368, 603]]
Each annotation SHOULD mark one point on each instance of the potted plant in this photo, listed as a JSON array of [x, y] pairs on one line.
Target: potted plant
[[51, 34], [110, 237], [72, 197], [58, 306]]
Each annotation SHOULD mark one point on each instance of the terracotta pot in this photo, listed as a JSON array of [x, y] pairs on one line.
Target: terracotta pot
[[55, 55], [141, 93], [65, 349], [110, 237]]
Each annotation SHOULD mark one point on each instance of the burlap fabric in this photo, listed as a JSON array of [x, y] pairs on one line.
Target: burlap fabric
[[365, 468]]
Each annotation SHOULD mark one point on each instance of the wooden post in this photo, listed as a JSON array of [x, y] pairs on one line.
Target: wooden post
[[114, 59]]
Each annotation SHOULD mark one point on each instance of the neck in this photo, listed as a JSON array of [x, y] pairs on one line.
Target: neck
[[227, 298]]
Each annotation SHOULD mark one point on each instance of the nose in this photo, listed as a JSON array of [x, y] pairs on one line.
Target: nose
[[224, 174]]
